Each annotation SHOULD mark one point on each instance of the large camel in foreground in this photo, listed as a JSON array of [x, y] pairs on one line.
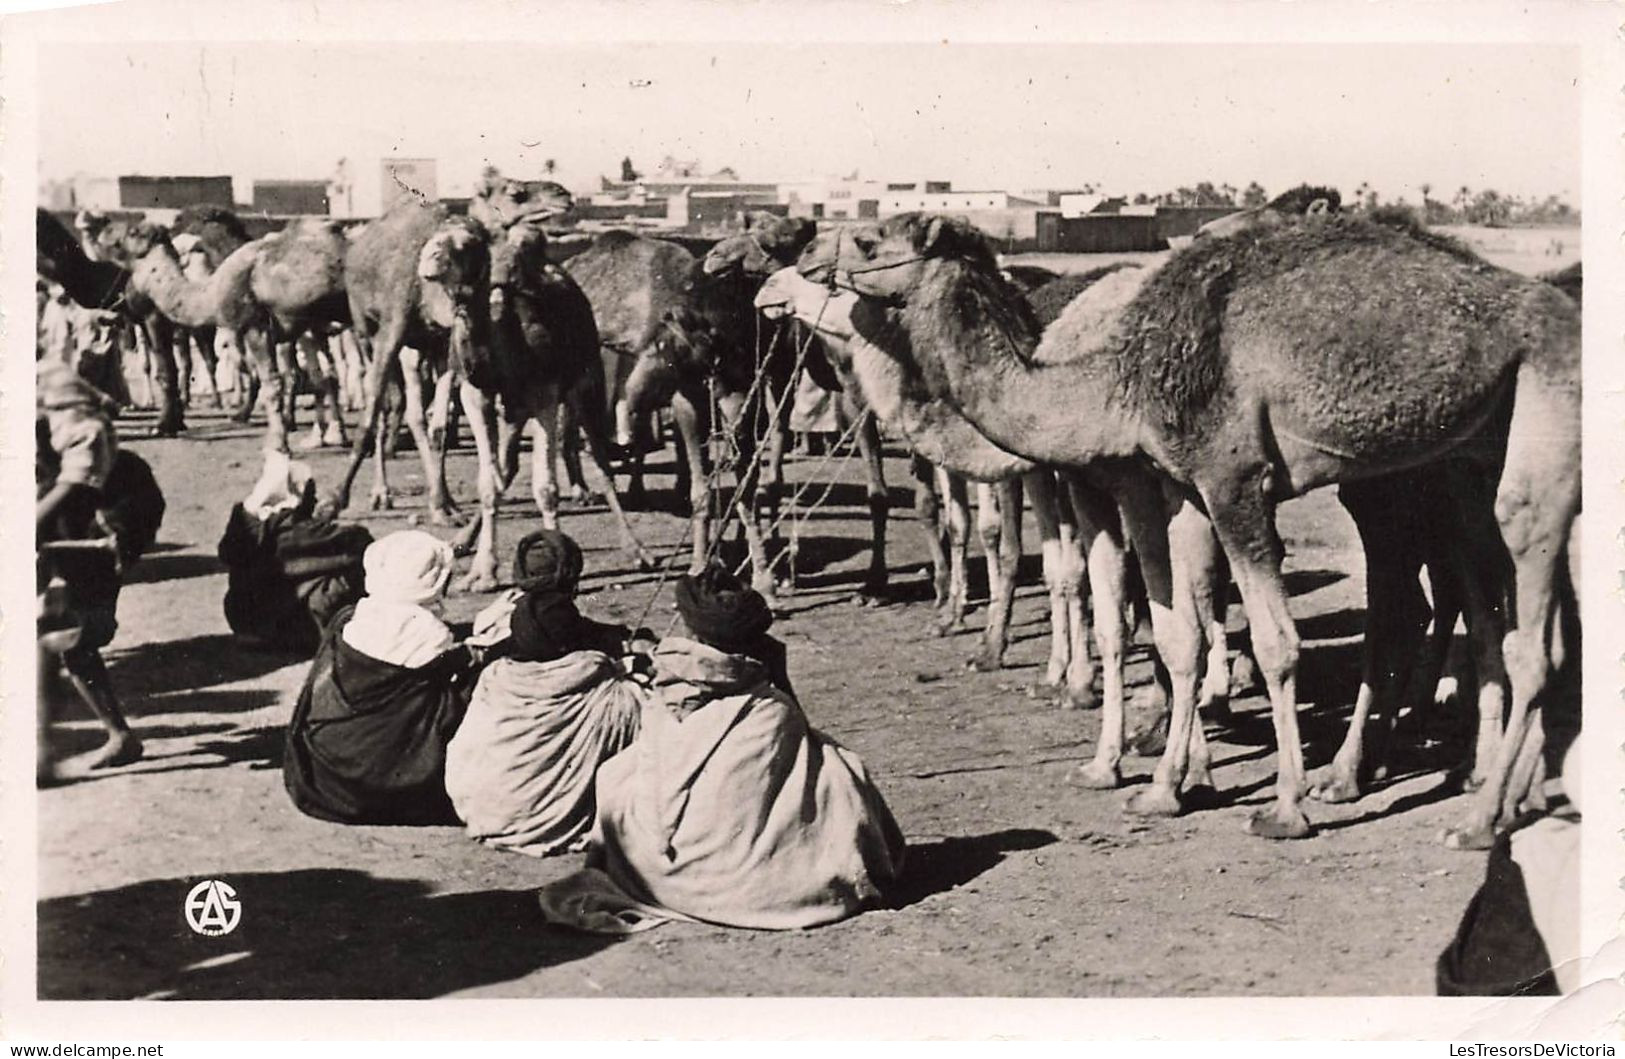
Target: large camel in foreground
[[1247, 370], [1079, 529]]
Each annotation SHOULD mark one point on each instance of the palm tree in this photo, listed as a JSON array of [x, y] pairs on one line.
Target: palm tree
[[549, 166]]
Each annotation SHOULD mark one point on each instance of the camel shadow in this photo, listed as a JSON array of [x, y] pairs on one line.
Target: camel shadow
[[172, 567], [936, 867], [315, 933], [198, 662]]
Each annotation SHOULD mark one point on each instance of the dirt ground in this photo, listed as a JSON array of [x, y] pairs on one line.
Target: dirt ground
[[1017, 884]]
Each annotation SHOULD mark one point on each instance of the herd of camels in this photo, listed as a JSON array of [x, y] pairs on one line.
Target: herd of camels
[[1154, 416]]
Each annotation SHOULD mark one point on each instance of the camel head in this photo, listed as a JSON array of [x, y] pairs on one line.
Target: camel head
[[768, 243], [684, 352], [518, 254], [499, 201], [1303, 201], [127, 242], [789, 294], [454, 268], [886, 261]]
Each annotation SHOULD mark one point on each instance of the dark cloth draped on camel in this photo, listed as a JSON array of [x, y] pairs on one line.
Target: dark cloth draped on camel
[[288, 575], [520, 770], [546, 626], [367, 741], [729, 808]]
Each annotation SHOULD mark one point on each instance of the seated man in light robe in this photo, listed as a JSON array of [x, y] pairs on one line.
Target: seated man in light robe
[[729, 808], [546, 714]]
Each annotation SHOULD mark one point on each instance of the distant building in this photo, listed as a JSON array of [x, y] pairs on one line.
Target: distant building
[[1081, 204], [833, 199], [407, 176], [290, 196], [951, 201], [174, 192]]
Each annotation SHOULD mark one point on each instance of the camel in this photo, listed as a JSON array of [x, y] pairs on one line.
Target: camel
[[1249, 369], [416, 277], [543, 355], [97, 283], [745, 261], [281, 284], [1076, 525], [671, 336]]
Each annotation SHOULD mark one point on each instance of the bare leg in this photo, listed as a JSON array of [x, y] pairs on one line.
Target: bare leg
[[691, 440], [88, 675]]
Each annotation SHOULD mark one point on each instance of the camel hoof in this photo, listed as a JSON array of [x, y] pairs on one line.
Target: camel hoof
[[1473, 783], [327, 510], [1334, 788], [1096, 776], [1154, 800], [1083, 698], [646, 563], [166, 430], [1471, 837], [380, 502], [443, 516], [1244, 677], [948, 625], [986, 660], [243, 414], [121, 748], [1147, 742], [1278, 823], [1216, 709]]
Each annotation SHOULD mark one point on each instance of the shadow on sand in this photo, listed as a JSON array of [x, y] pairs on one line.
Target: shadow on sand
[[305, 934], [936, 867], [197, 662]]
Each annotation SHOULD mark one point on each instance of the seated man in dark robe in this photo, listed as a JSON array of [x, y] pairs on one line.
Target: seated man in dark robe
[[385, 694], [289, 573]]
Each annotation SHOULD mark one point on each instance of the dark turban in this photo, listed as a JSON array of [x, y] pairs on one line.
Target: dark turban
[[721, 611], [546, 625], [547, 561]]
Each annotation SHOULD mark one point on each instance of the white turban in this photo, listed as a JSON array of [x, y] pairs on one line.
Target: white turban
[[407, 567]]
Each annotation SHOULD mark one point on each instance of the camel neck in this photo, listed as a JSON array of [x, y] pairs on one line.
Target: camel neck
[[973, 340], [158, 275]]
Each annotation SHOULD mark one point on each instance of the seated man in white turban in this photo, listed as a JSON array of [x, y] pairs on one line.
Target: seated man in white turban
[[386, 692]]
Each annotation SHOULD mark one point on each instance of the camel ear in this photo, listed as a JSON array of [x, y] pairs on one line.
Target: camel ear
[[934, 236]]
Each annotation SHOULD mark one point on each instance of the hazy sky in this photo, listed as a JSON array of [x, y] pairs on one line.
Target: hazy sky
[[1128, 117]]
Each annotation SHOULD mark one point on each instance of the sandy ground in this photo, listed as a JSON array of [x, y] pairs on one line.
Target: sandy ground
[[1017, 884]]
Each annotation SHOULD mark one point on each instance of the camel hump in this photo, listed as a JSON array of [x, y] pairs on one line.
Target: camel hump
[[1088, 321]]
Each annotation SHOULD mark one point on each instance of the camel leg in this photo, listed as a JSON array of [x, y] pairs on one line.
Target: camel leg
[[440, 511], [1245, 520], [329, 406], [1214, 699], [478, 407], [1394, 614], [1100, 532], [544, 463], [998, 522], [206, 337], [1154, 520], [1535, 503], [874, 468], [598, 454], [183, 365], [383, 349], [954, 488], [1474, 557], [691, 440], [258, 343], [570, 428], [1045, 502], [928, 511], [160, 339]]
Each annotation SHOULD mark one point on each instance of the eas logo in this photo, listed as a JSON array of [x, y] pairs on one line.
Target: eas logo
[[212, 908]]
